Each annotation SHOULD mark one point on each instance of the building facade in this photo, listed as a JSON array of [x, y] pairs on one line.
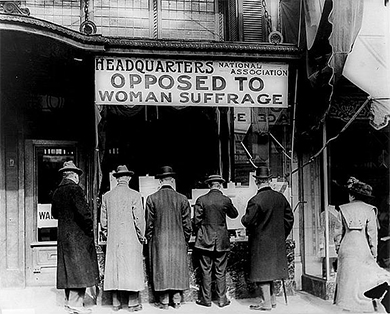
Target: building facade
[[205, 86]]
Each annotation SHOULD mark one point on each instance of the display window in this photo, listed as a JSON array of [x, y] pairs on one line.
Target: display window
[[196, 142]]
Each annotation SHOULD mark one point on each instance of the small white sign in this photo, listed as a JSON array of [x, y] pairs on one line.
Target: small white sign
[[44, 217]]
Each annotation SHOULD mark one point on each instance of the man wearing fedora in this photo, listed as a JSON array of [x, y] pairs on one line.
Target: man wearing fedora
[[77, 266], [268, 220], [212, 239], [168, 230], [123, 224]]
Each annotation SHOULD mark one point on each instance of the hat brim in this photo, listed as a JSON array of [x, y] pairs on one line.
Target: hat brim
[[357, 192], [76, 170], [214, 180], [122, 174], [260, 177], [164, 175]]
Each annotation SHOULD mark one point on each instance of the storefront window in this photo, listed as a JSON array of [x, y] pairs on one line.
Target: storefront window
[[49, 160]]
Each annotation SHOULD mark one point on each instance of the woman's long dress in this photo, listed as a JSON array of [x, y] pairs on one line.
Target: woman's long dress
[[357, 267]]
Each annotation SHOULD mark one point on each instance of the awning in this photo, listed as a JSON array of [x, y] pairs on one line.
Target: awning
[[367, 66], [359, 41]]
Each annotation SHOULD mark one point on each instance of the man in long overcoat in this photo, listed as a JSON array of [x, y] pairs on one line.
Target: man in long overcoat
[[77, 266], [212, 239], [269, 220], [123, 224], [168, 230]]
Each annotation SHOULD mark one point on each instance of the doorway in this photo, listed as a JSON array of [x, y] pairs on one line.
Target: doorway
[[42, 161]]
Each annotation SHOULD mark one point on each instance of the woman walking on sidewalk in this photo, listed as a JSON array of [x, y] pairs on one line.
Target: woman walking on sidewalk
[[358, 271]]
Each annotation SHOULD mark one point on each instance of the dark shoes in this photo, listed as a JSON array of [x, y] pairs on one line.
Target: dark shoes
[[199, 302], [134, 308], [223, 303], [176, 305], [162, 306]]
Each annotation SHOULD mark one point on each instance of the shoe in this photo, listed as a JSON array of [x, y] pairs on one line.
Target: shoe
[[273, 306], [79, 310], [116, 308], [224, 303], [176, 305], [260, 307], [134, 308], [162, 306], [199, 302]]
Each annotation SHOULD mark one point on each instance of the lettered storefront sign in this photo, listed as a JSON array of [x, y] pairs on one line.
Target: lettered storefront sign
[[142, 81]]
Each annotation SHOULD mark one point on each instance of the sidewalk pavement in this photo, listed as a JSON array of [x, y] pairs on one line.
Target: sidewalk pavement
[[48, 300]]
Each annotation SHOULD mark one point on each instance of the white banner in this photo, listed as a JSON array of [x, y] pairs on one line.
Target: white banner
[[168, 82]]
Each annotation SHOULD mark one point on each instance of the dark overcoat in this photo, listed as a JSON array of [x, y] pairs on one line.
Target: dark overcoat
[[76, 256], [210, 214], [269, 220], [168, 230]]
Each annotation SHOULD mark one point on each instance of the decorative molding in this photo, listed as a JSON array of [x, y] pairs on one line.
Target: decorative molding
[[88, 27], [13, 7], [129, 45], [344, 108]]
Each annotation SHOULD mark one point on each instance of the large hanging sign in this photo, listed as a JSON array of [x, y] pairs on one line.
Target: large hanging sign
[[168, 82]]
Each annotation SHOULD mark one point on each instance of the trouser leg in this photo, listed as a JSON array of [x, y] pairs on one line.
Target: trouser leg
[[164, 297], [206, 264], [133, 298], [273, 296], [115, 298], [76, 297], [265, 288], [220, 262], [66, 297], [176, 297]]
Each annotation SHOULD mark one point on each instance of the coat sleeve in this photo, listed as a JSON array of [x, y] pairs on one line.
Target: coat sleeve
[[288, 219], [250, 218], [372, 232], [103, 217], [186, 218], [83, 214], [139, 218], [54, 210], [198, 213], [231, 211], [150, 216]]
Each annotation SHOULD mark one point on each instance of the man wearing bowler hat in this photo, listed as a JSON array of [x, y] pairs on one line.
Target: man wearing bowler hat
[[123, 224], [77, 266], [212, 239], [168, 230], [269, 220]]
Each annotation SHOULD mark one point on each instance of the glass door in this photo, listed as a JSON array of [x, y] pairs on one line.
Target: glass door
[[43, 159]]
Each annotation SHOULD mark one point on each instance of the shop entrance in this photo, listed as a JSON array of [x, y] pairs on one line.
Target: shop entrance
[[43, 159]]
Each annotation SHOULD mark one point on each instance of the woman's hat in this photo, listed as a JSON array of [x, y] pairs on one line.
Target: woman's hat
[[165, 171], [70, 166], [214, 178], [122, 171], [355, 186], [262, 172]]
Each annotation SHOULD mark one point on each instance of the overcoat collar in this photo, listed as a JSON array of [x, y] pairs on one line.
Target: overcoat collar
[[67, 182], [215, 191], [266, 188], [166, 186]]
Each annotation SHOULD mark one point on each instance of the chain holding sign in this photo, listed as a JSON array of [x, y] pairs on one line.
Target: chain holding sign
[[140, 81]]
